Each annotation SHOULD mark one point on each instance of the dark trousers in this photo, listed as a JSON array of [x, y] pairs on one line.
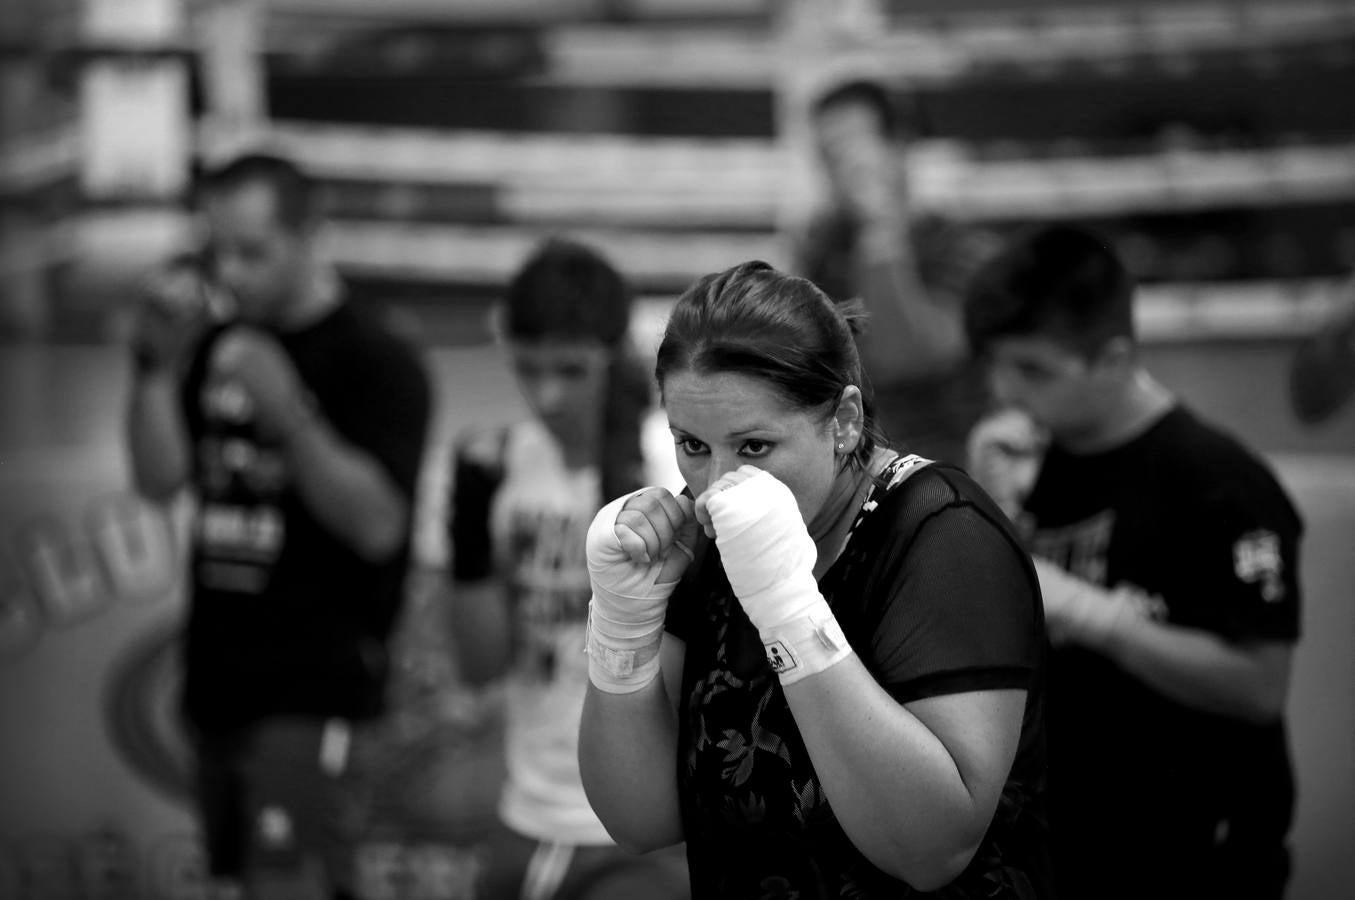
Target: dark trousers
[[274, 816]]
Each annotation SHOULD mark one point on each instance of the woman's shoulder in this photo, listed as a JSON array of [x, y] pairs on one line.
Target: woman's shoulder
[[913, 492], [914, 482]]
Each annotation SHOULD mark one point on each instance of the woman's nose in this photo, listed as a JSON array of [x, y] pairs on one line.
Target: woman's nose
[[721, 464]]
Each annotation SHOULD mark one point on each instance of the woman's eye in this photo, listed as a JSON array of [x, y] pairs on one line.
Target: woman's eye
[[691, 446], [755, 448]]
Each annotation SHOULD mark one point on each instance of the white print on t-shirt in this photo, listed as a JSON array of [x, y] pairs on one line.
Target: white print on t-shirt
[[225, 400], [550, 584], [238, 546], [240, 531], [538, 522], [1257, 559], [230, 464], [1081, 548], [240, 527]]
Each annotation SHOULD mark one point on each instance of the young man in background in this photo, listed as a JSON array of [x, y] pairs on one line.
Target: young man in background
[[1168, 560]]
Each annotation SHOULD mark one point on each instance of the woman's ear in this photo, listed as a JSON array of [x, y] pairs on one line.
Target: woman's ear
[[849, 420]]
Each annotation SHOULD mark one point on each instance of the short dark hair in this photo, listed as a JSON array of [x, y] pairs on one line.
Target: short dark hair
[[781, 329], [567, 289], [1059, 281], [294, 190], [894, 122]]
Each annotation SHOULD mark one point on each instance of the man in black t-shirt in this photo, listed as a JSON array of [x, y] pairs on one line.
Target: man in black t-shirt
[[909, 270], [299, 425], [1168, 560]]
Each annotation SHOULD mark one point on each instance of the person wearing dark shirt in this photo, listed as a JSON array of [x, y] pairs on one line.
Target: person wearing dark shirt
[[844, 697], [1168, 562], [909, 268], [299, 425]]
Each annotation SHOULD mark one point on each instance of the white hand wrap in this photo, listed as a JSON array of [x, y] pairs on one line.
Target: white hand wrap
[[626, 614], [1077, 611], [1004, 452], [769, 557]]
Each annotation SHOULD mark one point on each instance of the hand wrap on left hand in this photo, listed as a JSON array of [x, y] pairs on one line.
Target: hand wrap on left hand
[[769, 558]]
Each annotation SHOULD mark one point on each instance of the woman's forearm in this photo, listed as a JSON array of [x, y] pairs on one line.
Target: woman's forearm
[[628, 759], [915, 788]]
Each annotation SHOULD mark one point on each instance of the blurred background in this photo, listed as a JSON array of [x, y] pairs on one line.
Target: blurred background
[[1214, 142]]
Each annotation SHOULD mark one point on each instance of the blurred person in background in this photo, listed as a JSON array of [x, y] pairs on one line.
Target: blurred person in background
[[821, 664], [1322, 370], [909, 269], [298, 423], [522, 499], [1168, 556]]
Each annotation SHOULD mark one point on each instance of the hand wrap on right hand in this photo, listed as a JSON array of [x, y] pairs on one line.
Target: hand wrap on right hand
[[626, 614], [1004, 452]]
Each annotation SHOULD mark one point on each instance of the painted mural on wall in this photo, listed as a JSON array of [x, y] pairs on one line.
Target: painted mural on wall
[[94, 769]]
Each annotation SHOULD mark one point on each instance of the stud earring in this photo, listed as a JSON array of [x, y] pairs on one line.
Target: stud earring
[[840, 445]]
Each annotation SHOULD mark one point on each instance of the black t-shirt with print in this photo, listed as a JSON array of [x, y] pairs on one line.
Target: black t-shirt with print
[[936, 597], [1143, 789], [285, 619]]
